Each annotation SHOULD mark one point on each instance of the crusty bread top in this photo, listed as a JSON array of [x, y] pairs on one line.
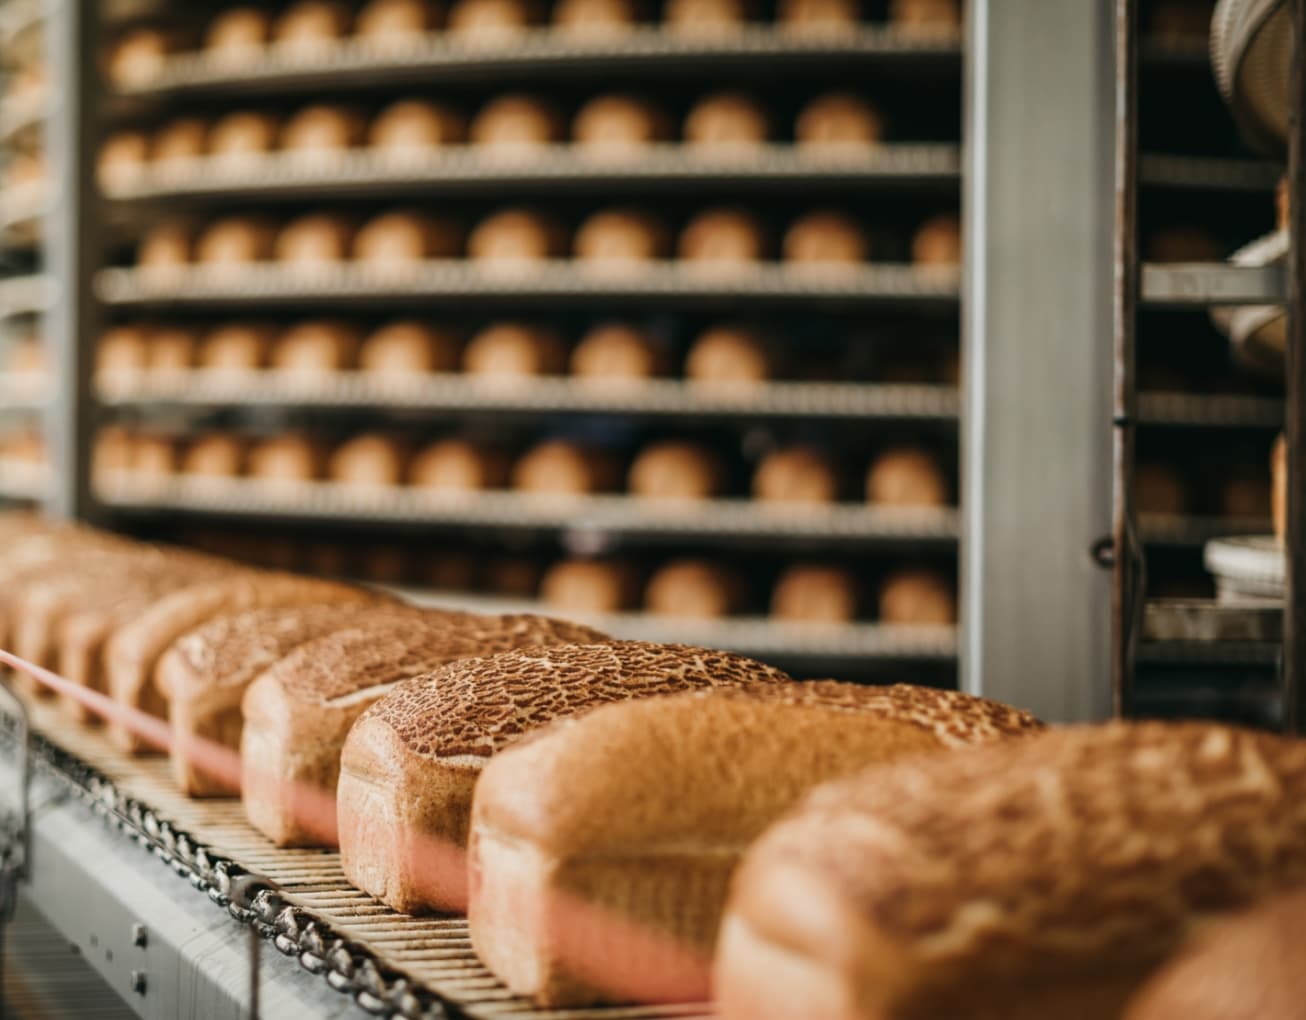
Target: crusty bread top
[[956, 719], [384, 652], [1251, 966], [708, 769], [476, 706], [1075, 842]]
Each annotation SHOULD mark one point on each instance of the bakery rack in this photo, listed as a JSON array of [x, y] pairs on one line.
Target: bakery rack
[[1217, 653]]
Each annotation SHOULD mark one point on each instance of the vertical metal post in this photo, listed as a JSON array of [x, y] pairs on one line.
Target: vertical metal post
[[1036, 446], [1294, 624], [1125, 596], [72, 247]]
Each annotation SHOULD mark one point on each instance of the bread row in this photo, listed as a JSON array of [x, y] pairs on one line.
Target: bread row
[[667, 470], [26, 357], [407, 349], [1161, 487], [607, 123], [722, 237], [308, 29], [626, 821]]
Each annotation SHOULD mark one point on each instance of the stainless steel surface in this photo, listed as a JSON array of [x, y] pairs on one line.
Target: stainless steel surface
[[1036, 447]]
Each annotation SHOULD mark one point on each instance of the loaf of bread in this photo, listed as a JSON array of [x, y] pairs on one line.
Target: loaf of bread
[[695, 19], [557, 467], [614, 835], [514, 237], [298, 712], [214, 455], [178, 141], [120, 354], [925, 17], [122, 159], [825, 239], [237, 347], [154, 456], [406, 348], [796, 474], [289, 458], [491, 22], [170, 349], [165, 247], [595, 19], [513, 122], [674, 469], [510, 350], [317, 347], [306, 27], [1178, 21], [589, 586], [618, 124], [906, 476], [237, 35], [27, 358], [1182, 243], [235, 241], [138, 56], [396, 22], [411, 760], [1043, 877], [917, 597], [620, 238], [415, 124], [729, 354], [839, 120], [242, 134], [614, 351], [937, 241], [826, 16], [723, 237], [369, 461], [726, 119], [1244, 967], [321, 128], [1159, 489], [315, 239], [455, 465], [695, 589], [402, 236], [132, 653], [815, 594], [204, 674]]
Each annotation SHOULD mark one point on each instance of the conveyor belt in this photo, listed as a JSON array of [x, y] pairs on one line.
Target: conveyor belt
[[393, 964]]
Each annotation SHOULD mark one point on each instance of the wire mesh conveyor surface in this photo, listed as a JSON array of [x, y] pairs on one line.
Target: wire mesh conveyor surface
[[395, 965]]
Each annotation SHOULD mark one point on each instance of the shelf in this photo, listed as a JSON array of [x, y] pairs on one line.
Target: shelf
[[721, 518], [756, 636], [455, 392], [262, 284], [352, 63], [462, 169], [1219, 411], [23, 392], [1197, 284], [1208, 173], [22, 214], [26, 295], [1170, 529]]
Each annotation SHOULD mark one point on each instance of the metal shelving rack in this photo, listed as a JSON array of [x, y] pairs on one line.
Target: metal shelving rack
[[1139, 286]]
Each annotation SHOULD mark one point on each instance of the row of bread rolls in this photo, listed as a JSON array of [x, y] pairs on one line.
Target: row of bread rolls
[[607, 123], [722, 238], [900, 476], [307, 28], [406, 349], [1240, 490], [25, 357], [799, 850], [22, 448]]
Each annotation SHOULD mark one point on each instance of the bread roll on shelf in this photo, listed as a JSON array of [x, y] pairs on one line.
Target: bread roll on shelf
[[237, 35], [512, 577], [138, 56], [596, 19], [287, 459], [404, 348], [823, 16], [552, 824], [811, 593], [455, 465], [314, 240], [411, 761], [122, 159], [449, 572], [1181, 243], [696, 19], [411, 125], [556, 467], [925, 17], [592, 586], [165, 247], [316, 348], [1240, 967], [695, 589], [617, 124], [726, 119], [1159, 489], [28, 358], [906, 476], [369, 461], [237, 347], [620, 238], [121, 353], [614, 351], [243, 134], [235, 241], [796, 474], [322, 128], [514, 122], [676, 470], [397, 22], [839, 120], [214, 455], [402, 236], [937, 241], [729, 355], [722, 238], [491, 22], [170, 349], [153, 456], [1245, 493], [510, 350], [908, 890], [514, 237], [307, 27], [299, 712], [179, 140], [826, 239], [917, 597]]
